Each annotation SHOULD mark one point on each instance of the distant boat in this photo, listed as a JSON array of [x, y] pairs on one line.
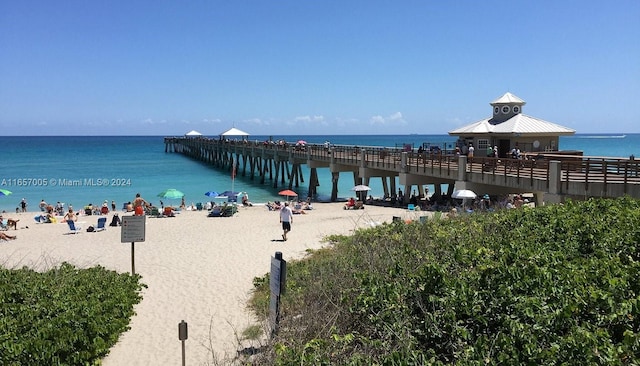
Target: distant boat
[[602, 137]]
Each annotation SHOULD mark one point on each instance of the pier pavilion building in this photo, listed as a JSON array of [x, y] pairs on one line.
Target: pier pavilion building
[[509, 128]]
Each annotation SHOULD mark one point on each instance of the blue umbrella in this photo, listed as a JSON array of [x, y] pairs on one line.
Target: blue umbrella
[[4, 192], [232, 196], [212, 194]]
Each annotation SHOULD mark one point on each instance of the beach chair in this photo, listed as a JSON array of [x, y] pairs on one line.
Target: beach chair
[[215, 212], [101, 224], [229, 210], [199, 206], [411, 207], [6, 224], [73, 228]]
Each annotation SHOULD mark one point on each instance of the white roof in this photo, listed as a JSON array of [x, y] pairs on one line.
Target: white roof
[[518, 124], [193, 133], [508, 98], [234, 132]]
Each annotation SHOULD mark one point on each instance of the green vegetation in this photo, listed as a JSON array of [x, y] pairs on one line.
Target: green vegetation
[[65, 316], [558, 284]]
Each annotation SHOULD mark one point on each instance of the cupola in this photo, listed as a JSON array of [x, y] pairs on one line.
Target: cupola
[[506, 107]]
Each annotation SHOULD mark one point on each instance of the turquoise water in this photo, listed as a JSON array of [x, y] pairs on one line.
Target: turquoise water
[[83, 170]]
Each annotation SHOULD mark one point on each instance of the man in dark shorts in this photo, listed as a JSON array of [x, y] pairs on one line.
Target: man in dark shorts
[[286, 218]]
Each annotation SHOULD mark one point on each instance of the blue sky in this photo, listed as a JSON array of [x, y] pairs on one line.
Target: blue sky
[[313, 67]]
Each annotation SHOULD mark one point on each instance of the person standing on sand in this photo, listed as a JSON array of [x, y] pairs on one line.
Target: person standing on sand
[[286, 218], [138, 205]]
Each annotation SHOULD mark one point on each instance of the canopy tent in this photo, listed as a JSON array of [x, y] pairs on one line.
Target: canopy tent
[[193, 133], [234, 132]]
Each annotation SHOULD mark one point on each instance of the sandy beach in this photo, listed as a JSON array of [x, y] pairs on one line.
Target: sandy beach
[[197, 269]]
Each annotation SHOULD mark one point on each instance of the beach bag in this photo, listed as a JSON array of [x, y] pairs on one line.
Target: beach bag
[[90, 229]]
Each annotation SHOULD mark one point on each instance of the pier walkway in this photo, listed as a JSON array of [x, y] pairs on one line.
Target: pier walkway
[[551, 177]]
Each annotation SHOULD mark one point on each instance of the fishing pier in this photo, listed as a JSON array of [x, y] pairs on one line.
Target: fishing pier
[[552, 177]]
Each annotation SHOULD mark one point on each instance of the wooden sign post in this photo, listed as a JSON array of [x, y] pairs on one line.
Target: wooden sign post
[[277, 282], [133, 230]]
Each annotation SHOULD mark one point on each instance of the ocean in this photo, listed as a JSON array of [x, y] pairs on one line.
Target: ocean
[[81, 170]]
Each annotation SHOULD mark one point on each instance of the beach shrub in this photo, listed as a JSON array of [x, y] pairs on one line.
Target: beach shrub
[[559, 284], [65, 316]]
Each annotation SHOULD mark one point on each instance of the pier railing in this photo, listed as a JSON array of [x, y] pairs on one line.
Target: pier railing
[[532, 170]]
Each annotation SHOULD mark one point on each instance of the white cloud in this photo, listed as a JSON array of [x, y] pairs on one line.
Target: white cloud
[[212, 120], [377, 120], [309, 119], [255, 121], [394, 118]]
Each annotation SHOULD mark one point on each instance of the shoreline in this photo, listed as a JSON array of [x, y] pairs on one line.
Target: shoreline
[[197, 269]]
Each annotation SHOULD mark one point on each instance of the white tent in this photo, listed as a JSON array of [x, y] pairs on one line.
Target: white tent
[[193, 133], [234, 132]]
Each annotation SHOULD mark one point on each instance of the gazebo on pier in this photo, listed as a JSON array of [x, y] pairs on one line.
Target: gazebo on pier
[[509, 128]]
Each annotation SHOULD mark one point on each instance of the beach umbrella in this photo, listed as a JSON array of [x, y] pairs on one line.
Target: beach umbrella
[[360, 191], [4, 192], [212, 194], [288, 193], [301, 142], [171, 194], [230, 195], [360, 188], [464, 194]]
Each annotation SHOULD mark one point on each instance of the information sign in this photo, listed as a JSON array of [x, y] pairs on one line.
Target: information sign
[[133, 229]]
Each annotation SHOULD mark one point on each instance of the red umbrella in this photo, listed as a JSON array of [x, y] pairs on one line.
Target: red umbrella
[[288, 193]]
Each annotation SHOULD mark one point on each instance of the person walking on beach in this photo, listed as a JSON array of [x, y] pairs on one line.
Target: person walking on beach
[[286, 218], [23, 205]]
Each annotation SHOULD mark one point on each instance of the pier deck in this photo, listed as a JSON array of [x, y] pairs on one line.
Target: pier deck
[[554, 176]]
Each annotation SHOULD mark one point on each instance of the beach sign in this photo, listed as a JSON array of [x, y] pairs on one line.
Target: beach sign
[[277, 281], [133, 229]]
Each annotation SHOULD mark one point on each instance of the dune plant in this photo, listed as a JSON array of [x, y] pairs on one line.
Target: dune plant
[[559, 284], [64, 316]]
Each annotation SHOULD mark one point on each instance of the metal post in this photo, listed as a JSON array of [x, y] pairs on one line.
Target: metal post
[[133, 256], [182, 336]]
